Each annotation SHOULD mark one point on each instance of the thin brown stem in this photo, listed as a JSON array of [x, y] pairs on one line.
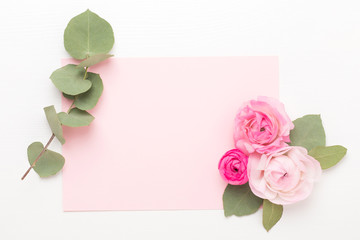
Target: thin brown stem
[[72, 104], [51, 138]]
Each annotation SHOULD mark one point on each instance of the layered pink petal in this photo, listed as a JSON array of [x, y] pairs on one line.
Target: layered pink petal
[[262, 125], [283, 177], [233, 167]]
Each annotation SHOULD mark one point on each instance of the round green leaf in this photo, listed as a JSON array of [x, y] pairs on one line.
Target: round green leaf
[[271, 214], [48, 164], [75, 118], [92, 60], [70, 80], [89, 99], [239, 200], [328, 156], [308, 132], [54, 123], [88, 34]]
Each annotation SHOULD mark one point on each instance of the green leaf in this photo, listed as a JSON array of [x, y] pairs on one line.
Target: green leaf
[[88, 34], [75, 118], [239, 200], [308, 132], [328, 156], [89, 99], [271, 214], [95, 59], [54, 123], [48, 164], [70, 80], [71, 97]]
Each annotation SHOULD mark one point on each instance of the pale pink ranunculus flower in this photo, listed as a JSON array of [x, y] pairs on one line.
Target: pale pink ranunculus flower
[[232, 167], [283, 177], [262, 125]]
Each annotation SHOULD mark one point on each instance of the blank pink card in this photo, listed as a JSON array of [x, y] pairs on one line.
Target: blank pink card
[[160, 128]]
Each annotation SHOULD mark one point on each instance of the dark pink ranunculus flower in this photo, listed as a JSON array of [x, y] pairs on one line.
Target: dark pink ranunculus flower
[[233, 167], [262, 126]]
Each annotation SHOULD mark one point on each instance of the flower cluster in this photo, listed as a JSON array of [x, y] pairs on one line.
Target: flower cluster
[[268, 169], [275, 171]]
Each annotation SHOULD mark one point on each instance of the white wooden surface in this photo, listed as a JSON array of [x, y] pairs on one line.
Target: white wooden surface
[[318, 43]]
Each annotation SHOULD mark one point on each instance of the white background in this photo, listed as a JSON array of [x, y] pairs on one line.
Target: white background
[[318, 43]]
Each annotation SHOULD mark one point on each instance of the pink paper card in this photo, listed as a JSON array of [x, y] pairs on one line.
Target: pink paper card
[[160, 128]]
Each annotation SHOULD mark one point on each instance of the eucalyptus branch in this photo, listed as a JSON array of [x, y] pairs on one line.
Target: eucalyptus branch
[[51, 138], [76, 83]]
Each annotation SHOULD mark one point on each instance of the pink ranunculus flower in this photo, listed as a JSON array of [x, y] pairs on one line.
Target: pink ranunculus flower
[[262, 125], [283, 177], [232, 167]]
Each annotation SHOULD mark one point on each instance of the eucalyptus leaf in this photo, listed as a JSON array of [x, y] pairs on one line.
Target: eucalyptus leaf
[[95, 59], [308, 132], [71, 97], [54, 123], [75, 118], [70, 80], [89, 99], [271, 214], [48, 164], [87, 35], [239, 200], [328, 156]]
